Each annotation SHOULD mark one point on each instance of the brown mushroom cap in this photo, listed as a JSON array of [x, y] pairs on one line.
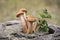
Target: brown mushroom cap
[[37, 18], [20, 13], [30, 18], [23, 9]]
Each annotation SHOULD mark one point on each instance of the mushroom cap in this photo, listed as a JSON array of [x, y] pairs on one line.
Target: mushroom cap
[[19, 13], [37, 18], [23, 9], [30, 18]]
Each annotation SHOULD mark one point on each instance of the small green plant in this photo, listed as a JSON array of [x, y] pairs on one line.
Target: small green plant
[[45, 14], [42, 22]]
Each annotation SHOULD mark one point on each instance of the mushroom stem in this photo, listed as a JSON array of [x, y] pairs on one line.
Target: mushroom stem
[[37, 28], [24, 15], [34, 26], [31, 30], [23, 24], [29, 27], [25, 21]]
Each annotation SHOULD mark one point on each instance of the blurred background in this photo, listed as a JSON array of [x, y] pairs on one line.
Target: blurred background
[[9, 8]]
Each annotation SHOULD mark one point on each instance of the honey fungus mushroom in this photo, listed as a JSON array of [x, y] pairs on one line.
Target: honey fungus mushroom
[[25, 12], [20, 15], [30, 19], [36, 25]]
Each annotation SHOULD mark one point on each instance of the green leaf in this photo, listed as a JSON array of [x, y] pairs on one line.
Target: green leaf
[[45, 15], [43, 26]]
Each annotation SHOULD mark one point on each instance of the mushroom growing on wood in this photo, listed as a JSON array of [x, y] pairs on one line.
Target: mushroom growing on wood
[[25, 13], [35, 25], [21, 16], [30, 19]]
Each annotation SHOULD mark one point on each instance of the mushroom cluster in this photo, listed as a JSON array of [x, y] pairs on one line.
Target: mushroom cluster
[[29, 23]]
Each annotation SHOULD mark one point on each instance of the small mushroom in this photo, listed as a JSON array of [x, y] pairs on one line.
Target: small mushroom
[[20, 15], [25, 12], [30, 20], [35, 24]]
